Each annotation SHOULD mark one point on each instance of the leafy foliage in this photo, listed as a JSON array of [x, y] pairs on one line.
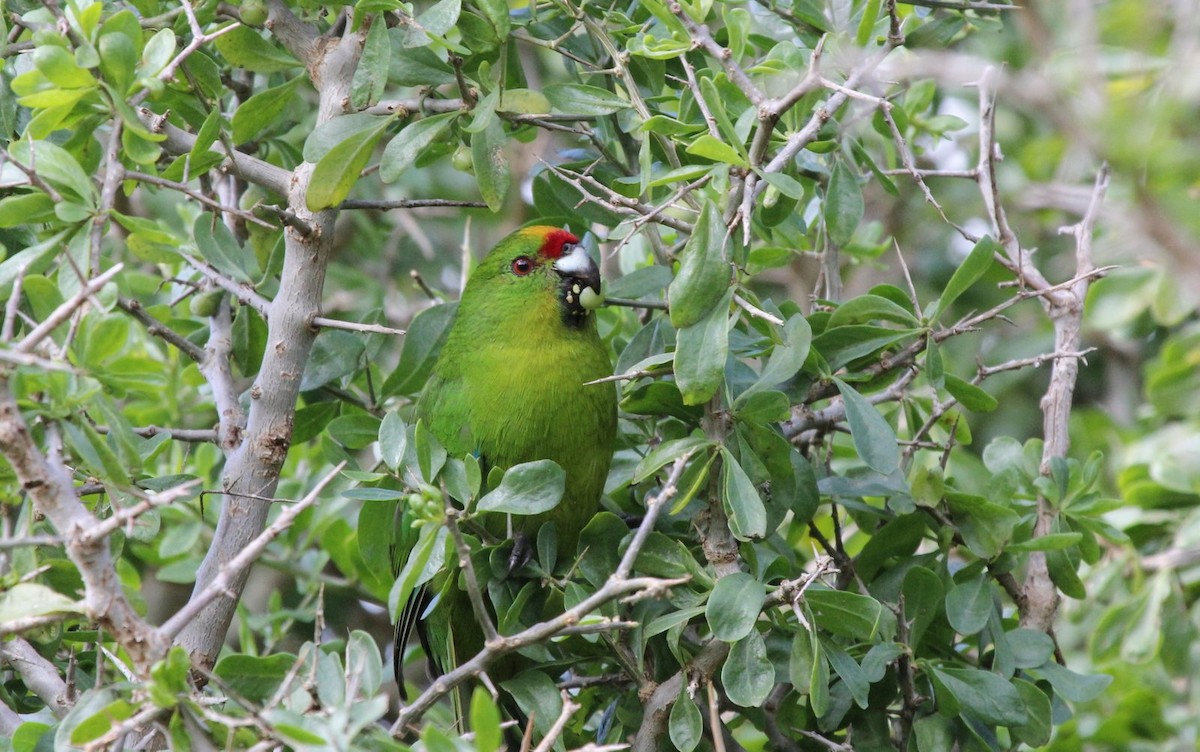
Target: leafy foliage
[[834, 494]]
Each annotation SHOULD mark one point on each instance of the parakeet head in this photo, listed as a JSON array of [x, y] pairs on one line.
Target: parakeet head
[[540, 266]]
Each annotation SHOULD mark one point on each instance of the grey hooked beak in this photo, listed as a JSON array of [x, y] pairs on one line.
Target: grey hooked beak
[[580, 288], [577, 266]]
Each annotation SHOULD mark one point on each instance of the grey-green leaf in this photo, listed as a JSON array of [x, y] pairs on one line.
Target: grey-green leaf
[[873, 436], [704, 273], [748, 675], [747, 515], [843, 204], [974, 266], [393, 439], [969, 605], [404, 148], [528, 488], [260, 110], [336, 173], [734, 605], [685, 725], [491, 166], [700, 354], [580, 99], [983, 695]]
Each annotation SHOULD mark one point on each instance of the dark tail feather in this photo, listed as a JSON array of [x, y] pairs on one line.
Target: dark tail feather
[[409, 620]]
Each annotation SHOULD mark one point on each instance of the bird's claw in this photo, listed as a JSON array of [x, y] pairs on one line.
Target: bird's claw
[[520, 555]]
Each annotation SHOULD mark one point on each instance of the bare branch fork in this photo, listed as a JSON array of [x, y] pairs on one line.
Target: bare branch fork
[[240, 564], [1038, 601], [49, 483]]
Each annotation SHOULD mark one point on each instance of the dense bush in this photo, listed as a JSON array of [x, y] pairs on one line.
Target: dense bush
[[858, 463]]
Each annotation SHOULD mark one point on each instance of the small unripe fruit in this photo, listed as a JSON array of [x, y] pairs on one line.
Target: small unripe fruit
[[462, 160], [254, 12], [590, 299], [207, 303]]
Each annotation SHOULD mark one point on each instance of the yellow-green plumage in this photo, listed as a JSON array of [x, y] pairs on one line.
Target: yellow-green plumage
[[509, 387]]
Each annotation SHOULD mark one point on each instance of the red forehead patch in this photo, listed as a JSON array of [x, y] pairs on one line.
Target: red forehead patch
[[553, 242]]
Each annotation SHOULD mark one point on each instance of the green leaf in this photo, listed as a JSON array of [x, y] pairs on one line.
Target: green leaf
[[485, 721], [537, 697], [1051, 542], [523, 102], [973, 267], [364, 662], [700, 354], [985, 527], [409, 144], [431, 455], [969, 395], [844, 344], [849, 671], [370, 77], [158, 51], [527, 488], [936, 33], [685, 727], [336, 130], [393, 439], [336, 173], [425, 558], [440, 17], [704, 273], [982, 695], [490, 163], [59, 67], [934, 733], [762, 408], [25, 208], [1035, 732], [27, 599], [354, 431], [1071, 686], [261, 110], [242, 47], [809, 669], [859, 617], [56, 166], [91, 447], [253, 677], [710, 147], [422, 343], [867, 308], [580, 99], [334, 354], [734, 605], [747, 515], [219, 247], [843, 204], [969, 605], [873, 436], [787, 357], [96, 725], [666, 453], [419, 66], [866, 24], [748, 675]]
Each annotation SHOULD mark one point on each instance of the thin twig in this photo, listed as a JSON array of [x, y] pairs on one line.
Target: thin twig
[[219, 585], [64, 311], [156, 328]]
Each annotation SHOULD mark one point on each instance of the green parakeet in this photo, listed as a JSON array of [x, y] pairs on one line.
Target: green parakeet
[[509, 387]]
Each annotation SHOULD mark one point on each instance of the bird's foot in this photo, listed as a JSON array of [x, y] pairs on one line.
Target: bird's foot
[[520, 555]]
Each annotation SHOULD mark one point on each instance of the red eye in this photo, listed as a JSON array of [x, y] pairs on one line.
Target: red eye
[[522, 266]]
